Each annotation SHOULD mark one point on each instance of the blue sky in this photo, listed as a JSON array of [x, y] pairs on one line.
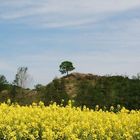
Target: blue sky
[[99, 37]]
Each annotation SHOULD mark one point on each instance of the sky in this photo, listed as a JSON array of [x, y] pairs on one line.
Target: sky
[[99, 36]]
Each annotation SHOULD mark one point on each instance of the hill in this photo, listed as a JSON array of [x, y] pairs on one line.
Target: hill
[[92, 90], [85, 89]]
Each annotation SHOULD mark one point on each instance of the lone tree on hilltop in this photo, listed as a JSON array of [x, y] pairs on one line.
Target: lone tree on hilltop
[[65, 67]]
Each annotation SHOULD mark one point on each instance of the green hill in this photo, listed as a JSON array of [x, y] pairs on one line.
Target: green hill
[[85, 89]]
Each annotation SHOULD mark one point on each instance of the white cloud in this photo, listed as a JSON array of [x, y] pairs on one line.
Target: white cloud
[[119, 38], [61, 13], [44, 66]]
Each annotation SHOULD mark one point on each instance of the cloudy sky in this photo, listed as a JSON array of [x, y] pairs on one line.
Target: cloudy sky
[[98, 36]]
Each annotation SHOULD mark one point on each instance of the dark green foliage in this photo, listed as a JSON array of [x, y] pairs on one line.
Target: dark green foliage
[[13, 93], [3, 79], [66, 66], [55, 92], [3, 83], [108, 91], [85, 89], [39, 88]]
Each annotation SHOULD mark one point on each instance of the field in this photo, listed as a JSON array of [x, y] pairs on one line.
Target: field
[[39, 122]]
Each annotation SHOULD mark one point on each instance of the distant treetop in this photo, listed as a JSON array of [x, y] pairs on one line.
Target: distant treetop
[[66, 66]]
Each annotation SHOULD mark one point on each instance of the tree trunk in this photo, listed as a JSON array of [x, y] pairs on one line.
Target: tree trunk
[[67, 73]]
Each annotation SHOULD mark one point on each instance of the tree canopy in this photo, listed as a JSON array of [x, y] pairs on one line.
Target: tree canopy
[[3, 79], [3, 82], [66, 66]]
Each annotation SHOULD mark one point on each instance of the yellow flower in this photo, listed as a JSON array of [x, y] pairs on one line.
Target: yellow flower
[[56, 122]]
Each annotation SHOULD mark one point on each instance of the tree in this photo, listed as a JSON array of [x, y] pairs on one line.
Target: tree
[[65, 67], [3, 82], [38, 86], [22, 77], [3, 79], [55, 92]]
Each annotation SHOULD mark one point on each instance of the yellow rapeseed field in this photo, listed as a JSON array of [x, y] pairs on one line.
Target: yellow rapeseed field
[[39, 122]]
